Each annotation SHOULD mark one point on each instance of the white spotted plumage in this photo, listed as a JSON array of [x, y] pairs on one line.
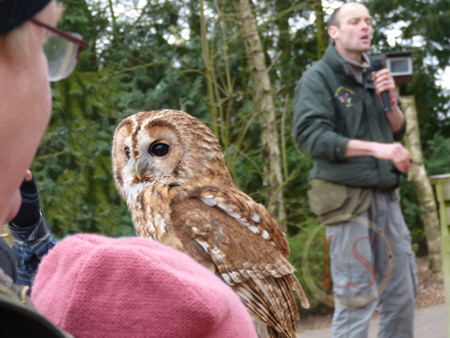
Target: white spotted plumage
[[169, 168]]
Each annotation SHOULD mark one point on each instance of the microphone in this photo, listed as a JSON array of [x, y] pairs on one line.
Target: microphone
[[377, 66]]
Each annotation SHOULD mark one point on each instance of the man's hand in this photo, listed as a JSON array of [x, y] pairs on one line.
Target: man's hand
[[395, 152], [384, 82]]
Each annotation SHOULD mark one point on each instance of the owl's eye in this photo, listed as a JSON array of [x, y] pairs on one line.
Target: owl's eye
[[127, 152], [159, 149]]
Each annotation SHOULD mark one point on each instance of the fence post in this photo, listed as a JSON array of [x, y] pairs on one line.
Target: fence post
[[442, 186]]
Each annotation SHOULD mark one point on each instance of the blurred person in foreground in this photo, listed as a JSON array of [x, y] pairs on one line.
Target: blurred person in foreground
[[32, 53], [91, 285], [340, 121]]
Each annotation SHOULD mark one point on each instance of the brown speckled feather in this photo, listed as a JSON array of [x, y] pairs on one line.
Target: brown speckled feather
[[185, 198], [244, 209]]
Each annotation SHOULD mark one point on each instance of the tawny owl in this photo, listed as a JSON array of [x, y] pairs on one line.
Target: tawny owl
[[168, 167]]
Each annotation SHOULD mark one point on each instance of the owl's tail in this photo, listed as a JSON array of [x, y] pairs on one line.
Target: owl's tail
[[301, 294]]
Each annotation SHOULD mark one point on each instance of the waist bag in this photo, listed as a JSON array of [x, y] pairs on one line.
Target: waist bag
[[328, 200]]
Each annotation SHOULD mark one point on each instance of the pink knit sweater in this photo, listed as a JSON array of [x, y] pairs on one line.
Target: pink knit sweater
[[94, 286]]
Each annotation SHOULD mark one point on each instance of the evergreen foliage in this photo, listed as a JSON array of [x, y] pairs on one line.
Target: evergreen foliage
[[150, 57]]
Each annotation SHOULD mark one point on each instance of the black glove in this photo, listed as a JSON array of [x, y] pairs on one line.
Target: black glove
[[30, 210]]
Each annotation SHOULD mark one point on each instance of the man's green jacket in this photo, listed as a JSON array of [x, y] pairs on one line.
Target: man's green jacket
[[330, 108]]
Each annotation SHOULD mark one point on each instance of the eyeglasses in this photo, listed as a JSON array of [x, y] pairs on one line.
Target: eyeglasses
[[62, 50]]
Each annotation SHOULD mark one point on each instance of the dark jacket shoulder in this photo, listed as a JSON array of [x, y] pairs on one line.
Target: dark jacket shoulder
[[18, 316], [331, 108]]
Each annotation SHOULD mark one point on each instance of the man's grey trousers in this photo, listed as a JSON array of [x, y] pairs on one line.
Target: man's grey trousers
[[397, 301]]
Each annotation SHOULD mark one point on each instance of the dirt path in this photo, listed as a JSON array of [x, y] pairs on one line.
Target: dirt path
[[429, 317]]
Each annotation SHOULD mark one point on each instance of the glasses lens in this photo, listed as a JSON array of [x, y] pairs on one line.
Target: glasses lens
[[61, 56]]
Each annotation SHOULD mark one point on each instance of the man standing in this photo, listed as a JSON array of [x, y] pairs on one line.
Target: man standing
[[340, 121]]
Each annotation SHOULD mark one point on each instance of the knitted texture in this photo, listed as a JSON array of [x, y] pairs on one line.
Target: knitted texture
[[94, 286]]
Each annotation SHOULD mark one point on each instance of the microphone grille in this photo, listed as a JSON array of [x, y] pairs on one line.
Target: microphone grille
[[377, 65]]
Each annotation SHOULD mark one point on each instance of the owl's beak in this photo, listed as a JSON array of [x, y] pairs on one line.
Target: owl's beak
[[138, 171]]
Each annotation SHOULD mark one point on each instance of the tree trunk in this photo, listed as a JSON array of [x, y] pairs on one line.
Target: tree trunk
[[263, 99], [321, 34], [113, 20], [421, 185], [208, 71]]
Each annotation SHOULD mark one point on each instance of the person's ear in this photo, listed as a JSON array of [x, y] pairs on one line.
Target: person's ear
[[333, 32]]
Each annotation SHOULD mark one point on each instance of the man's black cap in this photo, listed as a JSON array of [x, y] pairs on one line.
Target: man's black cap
[[13, 13]]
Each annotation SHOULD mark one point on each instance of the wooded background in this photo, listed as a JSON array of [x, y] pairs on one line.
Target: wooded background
[[234, 65]]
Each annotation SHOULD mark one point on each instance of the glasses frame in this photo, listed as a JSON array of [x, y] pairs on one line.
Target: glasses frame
[[79, 42]]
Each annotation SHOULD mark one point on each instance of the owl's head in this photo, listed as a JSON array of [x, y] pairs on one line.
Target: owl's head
[[158, 146]]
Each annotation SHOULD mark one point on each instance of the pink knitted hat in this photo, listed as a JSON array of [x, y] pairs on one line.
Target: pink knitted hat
[[94, 286]]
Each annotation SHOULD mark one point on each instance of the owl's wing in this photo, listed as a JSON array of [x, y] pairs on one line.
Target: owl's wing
[[238, 251], [236, 236], [246, 211], [261, 275]]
